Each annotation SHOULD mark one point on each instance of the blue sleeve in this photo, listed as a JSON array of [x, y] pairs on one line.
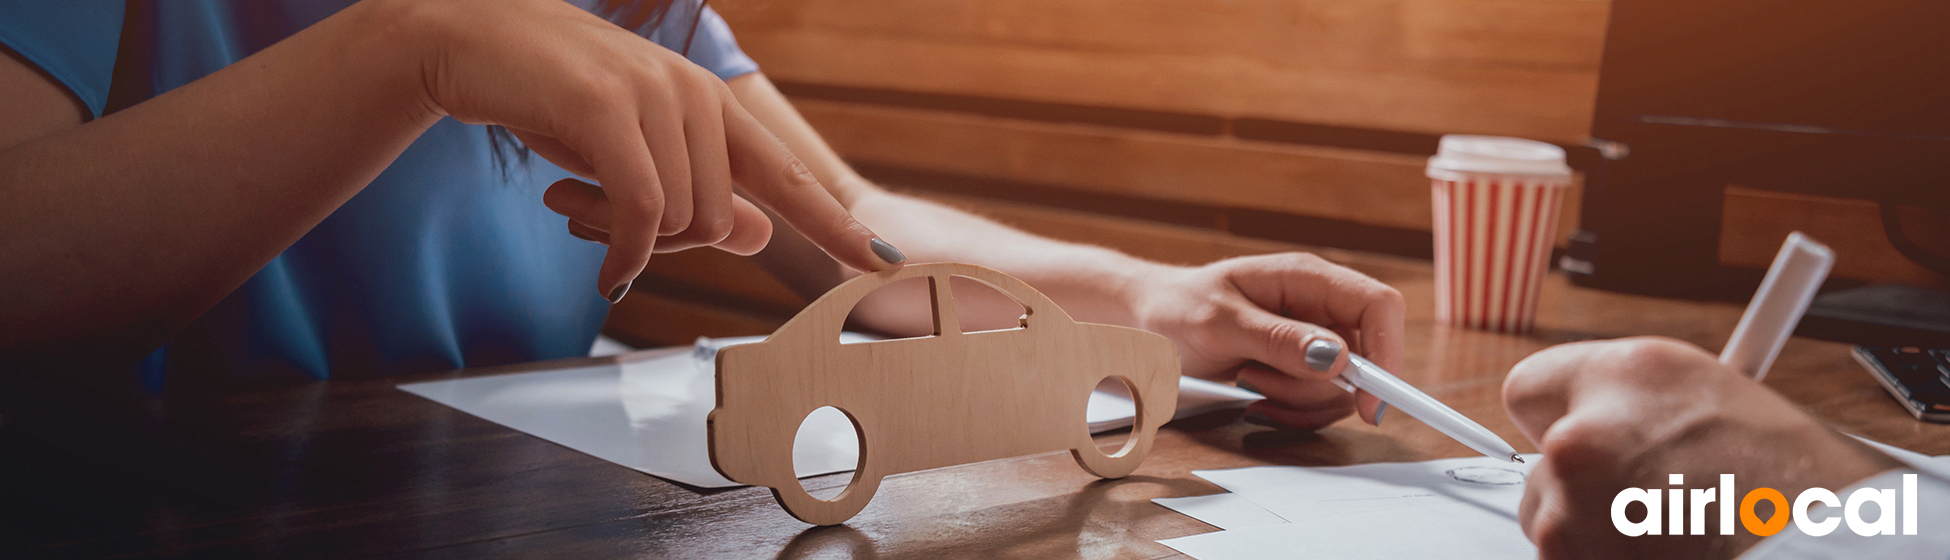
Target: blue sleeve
[[716, 50], [72, 40]]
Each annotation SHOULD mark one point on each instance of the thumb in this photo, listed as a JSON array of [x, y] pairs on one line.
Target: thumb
[[1296, 348]]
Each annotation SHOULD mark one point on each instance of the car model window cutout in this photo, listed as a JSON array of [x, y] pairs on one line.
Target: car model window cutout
[[981, 307], [909, 304]]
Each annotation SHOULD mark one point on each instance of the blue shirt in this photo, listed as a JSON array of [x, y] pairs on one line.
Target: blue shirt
[[448, 259]]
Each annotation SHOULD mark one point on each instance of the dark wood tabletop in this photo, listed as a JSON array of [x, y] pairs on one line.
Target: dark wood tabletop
[[357, 468]]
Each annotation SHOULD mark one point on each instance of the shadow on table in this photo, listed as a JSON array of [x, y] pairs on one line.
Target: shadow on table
[[1064, 526], [822, 541]]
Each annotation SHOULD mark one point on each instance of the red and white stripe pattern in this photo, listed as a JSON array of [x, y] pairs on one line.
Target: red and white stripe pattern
[[1492, 243]]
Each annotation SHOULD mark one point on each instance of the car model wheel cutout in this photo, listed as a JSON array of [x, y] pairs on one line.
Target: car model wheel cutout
[[817, 439], [1111, 398]]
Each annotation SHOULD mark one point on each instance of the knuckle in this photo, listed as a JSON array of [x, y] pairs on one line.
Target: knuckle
[[712, 229], [1521, 391], [1390, 296], [701, 84], [797, 175], [1653, 360], [676, 218], [1282, 340], [1577, 447], [640, 205], [1530, 376], [1306, 261], [1550, 365]]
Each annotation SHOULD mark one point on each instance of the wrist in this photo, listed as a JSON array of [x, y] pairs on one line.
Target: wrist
[[1138, 285], [400, 46]]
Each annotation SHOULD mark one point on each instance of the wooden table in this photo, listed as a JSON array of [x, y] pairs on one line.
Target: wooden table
[[357, 468]]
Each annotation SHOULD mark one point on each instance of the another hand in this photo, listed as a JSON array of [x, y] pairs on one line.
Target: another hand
[[663, 136], [1254, 318], [1619, 414]]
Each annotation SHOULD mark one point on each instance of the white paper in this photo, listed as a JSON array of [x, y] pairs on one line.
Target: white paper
[[1111, 407], [1450, 532], [649, 415], [606, 346], [1225, 510], [1450, 508], [646, 415], [1299, 494]]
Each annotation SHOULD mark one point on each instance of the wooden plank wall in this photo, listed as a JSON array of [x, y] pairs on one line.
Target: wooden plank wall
[[1511, 67], [1278, 118], [1260, 123]]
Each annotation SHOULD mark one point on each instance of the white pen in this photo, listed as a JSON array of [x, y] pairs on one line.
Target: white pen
[[1363, 374], [1777, 307]]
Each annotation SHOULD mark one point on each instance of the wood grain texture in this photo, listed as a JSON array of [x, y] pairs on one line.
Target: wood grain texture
[[1369, 187], [945, 399], [1524, 68]]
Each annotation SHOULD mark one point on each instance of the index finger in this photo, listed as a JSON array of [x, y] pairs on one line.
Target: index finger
[[628, 175], [765, 168]]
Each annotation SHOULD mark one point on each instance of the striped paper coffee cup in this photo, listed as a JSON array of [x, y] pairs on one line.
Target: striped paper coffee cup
[[1497, 202]]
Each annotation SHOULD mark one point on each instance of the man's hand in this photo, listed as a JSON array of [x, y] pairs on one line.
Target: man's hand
[[1619, 414], [1280, 325]]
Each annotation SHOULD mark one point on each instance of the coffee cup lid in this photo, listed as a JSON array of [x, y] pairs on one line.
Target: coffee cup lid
[[1460, 153]]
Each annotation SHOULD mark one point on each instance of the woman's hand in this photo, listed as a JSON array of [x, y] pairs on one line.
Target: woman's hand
[[1280, 325], [662, 136]]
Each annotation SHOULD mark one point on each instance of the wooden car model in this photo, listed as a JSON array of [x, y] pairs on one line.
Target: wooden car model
[[946, 399]]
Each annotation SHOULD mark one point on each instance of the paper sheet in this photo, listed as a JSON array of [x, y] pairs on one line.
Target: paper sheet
[[649, 415], [1226, 511], [1300, 494], [1453, 508], [1450, 532]]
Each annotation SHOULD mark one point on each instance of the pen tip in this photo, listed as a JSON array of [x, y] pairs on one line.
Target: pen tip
[[1516, 457]]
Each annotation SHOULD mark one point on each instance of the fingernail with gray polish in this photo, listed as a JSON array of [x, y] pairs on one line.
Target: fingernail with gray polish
[[1322, 353], [616, 295], [1248, 386], [1378, 410], [886, 252]]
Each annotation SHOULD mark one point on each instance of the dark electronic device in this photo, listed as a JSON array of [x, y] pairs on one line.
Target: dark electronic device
[[1820, 97], [1840, 99], [1880, 315], [1919, 378]]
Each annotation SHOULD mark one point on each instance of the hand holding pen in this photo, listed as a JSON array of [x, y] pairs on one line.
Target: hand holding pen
[[1280, 325]]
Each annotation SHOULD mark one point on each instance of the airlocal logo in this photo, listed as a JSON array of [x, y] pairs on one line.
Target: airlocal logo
[[1800, 512]]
